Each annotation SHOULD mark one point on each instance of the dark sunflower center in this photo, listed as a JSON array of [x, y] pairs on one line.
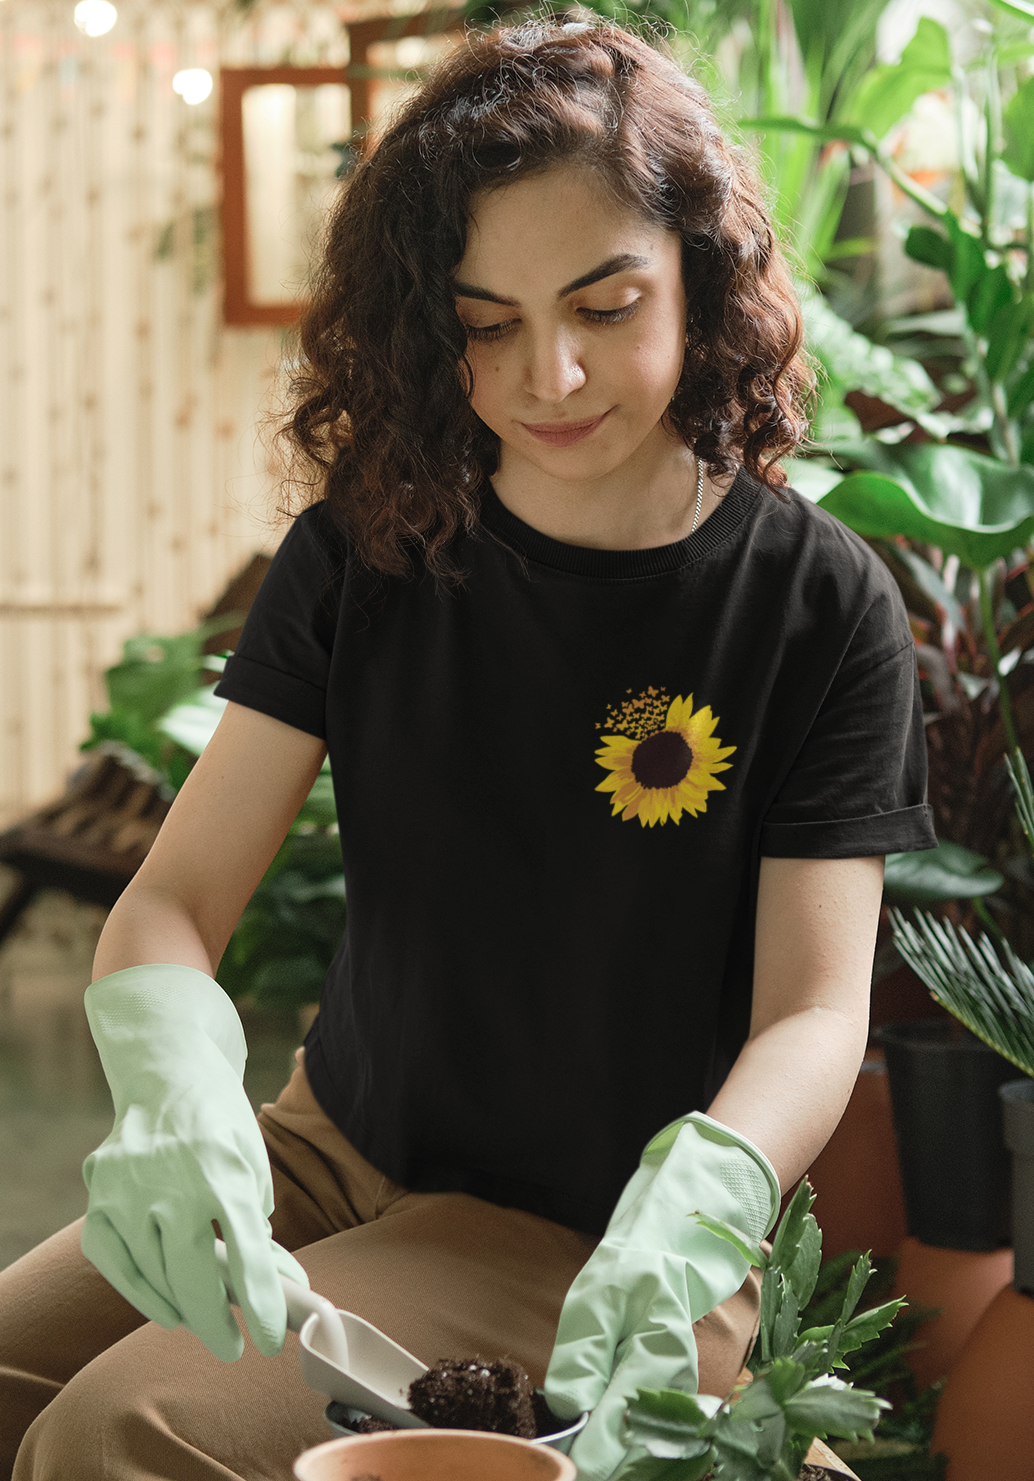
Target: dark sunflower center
[[661, 760]]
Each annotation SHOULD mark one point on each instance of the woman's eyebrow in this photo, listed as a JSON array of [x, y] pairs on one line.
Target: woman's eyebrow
[[623, 263]]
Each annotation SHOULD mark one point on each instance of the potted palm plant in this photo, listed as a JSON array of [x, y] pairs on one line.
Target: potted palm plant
[[988, 987]]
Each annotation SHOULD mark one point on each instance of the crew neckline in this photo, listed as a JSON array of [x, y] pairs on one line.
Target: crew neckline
[[616, 565]]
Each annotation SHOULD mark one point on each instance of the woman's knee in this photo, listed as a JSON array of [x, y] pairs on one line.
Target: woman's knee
[[159, 1404], [56, 1315]]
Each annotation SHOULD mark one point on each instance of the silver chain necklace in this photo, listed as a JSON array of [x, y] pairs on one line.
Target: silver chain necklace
[[700, 495]]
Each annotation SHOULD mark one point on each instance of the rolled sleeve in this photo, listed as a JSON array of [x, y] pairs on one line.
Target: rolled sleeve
[[858, 784]]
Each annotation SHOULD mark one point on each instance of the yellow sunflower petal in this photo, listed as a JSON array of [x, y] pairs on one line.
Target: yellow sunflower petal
[[702, 723], [643, 808], [616, 752], [624, 795]]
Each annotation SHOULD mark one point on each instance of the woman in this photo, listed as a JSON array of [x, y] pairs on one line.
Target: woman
[[620, 731]]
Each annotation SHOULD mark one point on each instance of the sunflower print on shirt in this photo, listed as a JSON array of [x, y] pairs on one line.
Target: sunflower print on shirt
[[662, 759]]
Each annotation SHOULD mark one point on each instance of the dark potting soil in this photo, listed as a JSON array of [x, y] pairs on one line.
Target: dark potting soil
[[471, 1394], [475, 1394], [369, 1425]]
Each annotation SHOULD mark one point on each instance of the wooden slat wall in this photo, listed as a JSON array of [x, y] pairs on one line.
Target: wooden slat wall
[[132, 481]]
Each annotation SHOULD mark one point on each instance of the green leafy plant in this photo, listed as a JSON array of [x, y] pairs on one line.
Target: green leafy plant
[[154, 675], [952, 521], [951, 524], [985, 253], [291, 927], [983, 246], [947, 872], [763, 1432], [288, 932], [987, 986]]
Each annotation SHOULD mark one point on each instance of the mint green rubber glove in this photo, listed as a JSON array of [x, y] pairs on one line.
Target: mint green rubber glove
[[185, 1149], [627, 1321]]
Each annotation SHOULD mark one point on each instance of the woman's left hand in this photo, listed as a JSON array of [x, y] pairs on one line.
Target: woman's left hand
[[627, 1321]]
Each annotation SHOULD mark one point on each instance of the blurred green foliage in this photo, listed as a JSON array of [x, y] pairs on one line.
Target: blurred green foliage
[[163, 712]]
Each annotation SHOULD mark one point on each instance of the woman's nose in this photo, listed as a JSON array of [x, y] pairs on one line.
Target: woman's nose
[[554, 367]]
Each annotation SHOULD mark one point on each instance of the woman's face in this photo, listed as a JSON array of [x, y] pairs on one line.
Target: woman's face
[[576, 323]]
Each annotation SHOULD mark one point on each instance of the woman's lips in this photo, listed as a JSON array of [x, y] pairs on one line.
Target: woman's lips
[[562, 434]]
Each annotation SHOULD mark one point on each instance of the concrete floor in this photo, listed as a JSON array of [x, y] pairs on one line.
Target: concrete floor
[[54, 1101]]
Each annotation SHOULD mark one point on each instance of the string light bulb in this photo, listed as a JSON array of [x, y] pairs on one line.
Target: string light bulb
[[193, 84], [95, 17]]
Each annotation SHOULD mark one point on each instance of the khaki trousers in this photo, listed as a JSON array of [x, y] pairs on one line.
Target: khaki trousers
[[88, 1389]]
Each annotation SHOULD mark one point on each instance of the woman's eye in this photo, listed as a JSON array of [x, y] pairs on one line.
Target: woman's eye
[[611, 316], [482, 334]]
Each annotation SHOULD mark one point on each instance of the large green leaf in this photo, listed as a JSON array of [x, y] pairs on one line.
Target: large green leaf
[[1021, 393], [993, 306], [1018, 127], [853, 363], [804, 1271], [158, 672], [192, 723], [930, 247], [958, 254], [1022, 9], [829, 1407], [887, 93], [665, 1422], [1009, 335], [947, 872], [791, 1226], [990, 293], [960, 501]]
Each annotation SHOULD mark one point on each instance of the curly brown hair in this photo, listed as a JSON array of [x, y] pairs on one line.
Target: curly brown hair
[[382, 424]]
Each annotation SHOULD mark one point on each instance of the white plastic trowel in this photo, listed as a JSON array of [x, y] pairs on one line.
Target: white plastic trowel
[[343, 1356]]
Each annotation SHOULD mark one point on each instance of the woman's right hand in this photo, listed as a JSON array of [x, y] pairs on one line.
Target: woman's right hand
[[185, 1151]]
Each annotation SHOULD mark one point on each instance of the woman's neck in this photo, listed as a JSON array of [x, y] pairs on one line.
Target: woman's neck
[[632, 509]]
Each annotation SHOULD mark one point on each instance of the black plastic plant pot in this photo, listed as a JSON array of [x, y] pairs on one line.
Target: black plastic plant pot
[[1018, 1106], [948, 1123]]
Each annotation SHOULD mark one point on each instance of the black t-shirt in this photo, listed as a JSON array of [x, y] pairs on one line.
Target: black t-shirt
[[554, 786]]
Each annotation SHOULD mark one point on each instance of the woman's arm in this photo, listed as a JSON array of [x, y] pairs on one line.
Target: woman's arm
[[226, 824], [816, 933]]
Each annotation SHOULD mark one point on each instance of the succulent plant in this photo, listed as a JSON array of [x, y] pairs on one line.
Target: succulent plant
[[763, 1431]]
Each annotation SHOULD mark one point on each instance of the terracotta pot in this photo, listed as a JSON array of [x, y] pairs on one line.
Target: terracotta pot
[[962, 1283], [858, 1199], [985, 1420], [433, 1455]]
